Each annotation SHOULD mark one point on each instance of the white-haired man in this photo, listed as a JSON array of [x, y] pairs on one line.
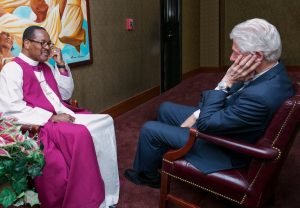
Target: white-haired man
[[240, 107]]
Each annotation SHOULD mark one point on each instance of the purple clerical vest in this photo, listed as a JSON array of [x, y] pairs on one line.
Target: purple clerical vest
[[33, 94]]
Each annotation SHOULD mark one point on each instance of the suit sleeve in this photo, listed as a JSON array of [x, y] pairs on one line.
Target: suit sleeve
[[247, 113]]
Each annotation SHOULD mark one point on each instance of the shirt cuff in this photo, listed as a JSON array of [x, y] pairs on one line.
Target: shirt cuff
[[65, 72], [217, 88], [197, 113]]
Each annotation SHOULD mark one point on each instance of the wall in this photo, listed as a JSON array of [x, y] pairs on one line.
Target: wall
[[283, 14], [200, 34], [125, 63], [209, 33], [217, 17], [128, 63], [190, 35]]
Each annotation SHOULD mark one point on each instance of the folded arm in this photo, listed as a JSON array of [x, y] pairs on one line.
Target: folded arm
[[248, 113]]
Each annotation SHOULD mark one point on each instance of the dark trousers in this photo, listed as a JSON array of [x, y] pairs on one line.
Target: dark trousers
[[157, 137]]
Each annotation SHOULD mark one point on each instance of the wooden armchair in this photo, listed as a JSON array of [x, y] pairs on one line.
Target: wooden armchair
[[248, 187]]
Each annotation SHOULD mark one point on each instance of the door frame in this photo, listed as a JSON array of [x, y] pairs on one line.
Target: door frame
[[162, 41]]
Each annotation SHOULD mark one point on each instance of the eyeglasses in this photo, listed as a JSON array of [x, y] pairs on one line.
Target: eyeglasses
[[43, 43]]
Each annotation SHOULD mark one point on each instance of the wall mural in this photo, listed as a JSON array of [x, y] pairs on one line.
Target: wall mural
[[67, 22]]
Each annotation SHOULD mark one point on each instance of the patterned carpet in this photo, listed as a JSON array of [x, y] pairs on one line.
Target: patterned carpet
[[188, 92]]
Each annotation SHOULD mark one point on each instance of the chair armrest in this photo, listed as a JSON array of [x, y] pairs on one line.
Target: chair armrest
[[173, 155], [32, 129], [73, 102], [257, 151], [253, 150]]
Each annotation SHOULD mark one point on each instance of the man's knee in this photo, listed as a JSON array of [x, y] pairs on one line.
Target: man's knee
[[163, 110], [149, 132], [75, 133], [148, 128]]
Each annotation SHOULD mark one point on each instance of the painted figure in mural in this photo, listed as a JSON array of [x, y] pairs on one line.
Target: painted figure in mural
[[61, 18], [6, 44]]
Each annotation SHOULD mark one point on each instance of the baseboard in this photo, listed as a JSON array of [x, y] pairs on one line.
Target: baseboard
[[139, 99], [132, 102], [203, 70], [293, 68]]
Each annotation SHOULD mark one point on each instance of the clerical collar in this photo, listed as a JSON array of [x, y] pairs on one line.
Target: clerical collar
[[28, 60]]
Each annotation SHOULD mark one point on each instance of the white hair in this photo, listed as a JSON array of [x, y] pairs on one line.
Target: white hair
[[257, 35]]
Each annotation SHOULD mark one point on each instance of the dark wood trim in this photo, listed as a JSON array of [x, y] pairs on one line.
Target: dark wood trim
[[204, 70], [191, 73], [141, 98], [132, 102], [90, 61], [293, 68]]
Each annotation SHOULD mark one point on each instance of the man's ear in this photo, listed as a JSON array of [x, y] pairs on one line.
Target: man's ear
[[260, 55], [26, 44]]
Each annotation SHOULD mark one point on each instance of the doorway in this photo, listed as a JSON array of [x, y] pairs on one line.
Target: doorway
[[170, 43]]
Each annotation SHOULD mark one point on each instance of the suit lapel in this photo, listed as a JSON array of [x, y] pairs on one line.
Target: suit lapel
[[268, 75], [235, 87], [234, 91]]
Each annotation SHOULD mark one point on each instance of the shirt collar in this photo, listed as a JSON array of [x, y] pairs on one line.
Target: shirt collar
[[261, 73], [28, 60]]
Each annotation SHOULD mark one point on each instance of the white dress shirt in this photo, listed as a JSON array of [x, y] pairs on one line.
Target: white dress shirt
[[11, 93]]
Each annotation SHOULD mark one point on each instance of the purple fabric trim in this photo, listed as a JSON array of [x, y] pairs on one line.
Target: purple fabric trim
[[32, 92], [64, 73]]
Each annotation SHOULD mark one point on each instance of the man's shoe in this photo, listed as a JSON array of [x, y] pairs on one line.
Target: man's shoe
[[141, 179]]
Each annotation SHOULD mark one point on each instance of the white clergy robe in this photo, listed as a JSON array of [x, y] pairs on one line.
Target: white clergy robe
[[100, 126]]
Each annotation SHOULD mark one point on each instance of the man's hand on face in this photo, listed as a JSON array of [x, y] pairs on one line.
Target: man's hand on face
[[63, 117], [57, 56], [243, 69]]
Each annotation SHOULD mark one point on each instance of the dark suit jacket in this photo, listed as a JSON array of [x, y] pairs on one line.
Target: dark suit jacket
[[243, 116]]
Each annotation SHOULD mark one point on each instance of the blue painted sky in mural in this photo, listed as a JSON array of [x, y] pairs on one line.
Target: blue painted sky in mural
[[70, 54]]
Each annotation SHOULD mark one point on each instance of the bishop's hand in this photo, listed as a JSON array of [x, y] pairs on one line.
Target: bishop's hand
[[57, 56], [63, 117]]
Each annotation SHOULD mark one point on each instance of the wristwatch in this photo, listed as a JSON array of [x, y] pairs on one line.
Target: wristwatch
[[223, 86], [61, 66]]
